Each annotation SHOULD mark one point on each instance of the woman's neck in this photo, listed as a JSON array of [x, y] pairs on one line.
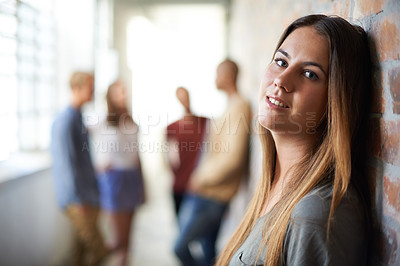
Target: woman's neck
[[289, 151]]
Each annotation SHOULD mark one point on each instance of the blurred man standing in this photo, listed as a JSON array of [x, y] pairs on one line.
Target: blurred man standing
[[185, 138], [74, 176], [217, 178]]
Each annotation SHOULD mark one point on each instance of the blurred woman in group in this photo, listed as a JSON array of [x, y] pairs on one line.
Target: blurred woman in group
[[119, 169], [312, 205]]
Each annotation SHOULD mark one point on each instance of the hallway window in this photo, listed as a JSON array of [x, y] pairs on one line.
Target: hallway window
[[27, 75]]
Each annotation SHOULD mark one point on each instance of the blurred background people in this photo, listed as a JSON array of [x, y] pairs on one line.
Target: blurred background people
[[74, 176], [217, 178], [119, 169], [184, 137]]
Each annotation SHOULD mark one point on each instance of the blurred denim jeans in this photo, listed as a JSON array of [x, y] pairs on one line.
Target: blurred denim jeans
[[199, 220]]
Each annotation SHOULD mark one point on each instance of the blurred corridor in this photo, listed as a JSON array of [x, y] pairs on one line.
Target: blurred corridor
[[34, 206]]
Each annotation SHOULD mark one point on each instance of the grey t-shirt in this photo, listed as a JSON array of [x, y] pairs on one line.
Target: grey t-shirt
[[305, 241]]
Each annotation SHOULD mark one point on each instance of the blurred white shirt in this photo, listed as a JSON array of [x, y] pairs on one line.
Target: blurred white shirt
[[115, 147]]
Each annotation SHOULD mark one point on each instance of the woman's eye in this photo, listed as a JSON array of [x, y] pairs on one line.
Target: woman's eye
[[280, 62], [310, 75]]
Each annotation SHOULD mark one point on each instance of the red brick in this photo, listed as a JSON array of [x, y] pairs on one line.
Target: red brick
[[396, 107], [391, 142], [367, 7], [394, 84], [385, 140], [391, 194], [386, 35]]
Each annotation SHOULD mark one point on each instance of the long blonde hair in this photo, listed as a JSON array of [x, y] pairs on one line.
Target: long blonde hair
[[332, 159]]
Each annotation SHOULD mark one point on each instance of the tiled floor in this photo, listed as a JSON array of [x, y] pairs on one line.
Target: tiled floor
[[155, 227]]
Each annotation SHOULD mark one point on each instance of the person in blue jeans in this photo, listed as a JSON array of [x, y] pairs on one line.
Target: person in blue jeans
[[200, 219], [217, 178]]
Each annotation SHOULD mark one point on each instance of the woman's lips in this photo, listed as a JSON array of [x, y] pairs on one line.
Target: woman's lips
[[276, 102]]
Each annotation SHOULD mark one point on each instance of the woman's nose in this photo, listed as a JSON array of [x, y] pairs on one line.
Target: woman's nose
[[284, 81]]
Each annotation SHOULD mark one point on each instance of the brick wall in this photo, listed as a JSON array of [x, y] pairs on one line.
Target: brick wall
[[255, 28]]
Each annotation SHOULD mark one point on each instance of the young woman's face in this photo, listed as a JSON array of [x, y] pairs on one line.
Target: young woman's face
[[293, 93]]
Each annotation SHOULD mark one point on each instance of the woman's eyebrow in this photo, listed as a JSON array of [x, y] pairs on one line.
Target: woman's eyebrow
[[283, 52]]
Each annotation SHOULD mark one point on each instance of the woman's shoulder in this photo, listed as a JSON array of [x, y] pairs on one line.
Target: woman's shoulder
[[306, 239], [315, 205]]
